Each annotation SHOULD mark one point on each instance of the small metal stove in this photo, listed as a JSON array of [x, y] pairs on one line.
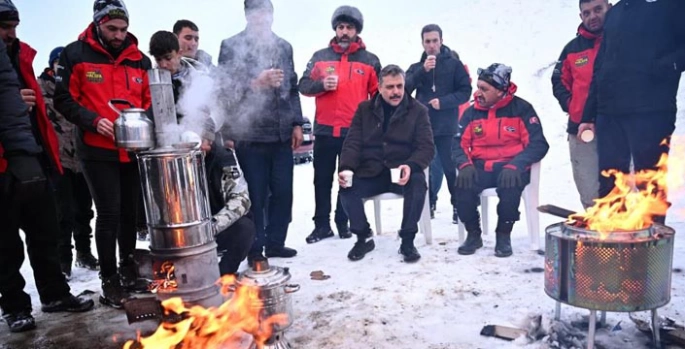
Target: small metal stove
[[623, 271]]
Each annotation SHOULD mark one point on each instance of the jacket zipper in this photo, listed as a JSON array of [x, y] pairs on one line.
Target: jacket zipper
[[499, 129], [127, 83]]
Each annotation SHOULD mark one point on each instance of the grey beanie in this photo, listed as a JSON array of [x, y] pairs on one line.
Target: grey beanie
[[348, 14], [106, 10]]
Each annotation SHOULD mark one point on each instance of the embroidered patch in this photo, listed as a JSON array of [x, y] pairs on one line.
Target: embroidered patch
[[330, 70], [582, 61], [95, 76], [359, 71], [510, 129], [478, 130], [137, 80], [533, 120]]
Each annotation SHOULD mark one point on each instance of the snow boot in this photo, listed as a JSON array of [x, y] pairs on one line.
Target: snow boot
[[503, 244], [319, 234], [363, 246], [20, 321], [409, 251]]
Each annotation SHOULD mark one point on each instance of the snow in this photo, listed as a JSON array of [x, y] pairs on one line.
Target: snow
[[444, 300]]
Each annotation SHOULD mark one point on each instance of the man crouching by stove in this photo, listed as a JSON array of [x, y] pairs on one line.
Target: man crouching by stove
[[498, 140], [387, 149], [228, 195]]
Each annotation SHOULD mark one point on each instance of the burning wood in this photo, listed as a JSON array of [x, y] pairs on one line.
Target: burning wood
[[165, 279], [222, 327]]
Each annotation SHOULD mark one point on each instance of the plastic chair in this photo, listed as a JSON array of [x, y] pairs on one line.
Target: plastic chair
[[424, 221], [531, 200]]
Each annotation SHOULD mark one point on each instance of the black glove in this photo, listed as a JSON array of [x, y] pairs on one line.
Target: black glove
[[25, 168], [467, 177], [509, 178]]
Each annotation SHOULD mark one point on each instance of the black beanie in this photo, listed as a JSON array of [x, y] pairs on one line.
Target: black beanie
[[258, 5], [348, 14], [8, 12]]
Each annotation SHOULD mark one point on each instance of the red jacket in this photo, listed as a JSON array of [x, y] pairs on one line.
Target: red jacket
[[507, 134], [47, 132], [357, 70], [573, 74], [89, 77]]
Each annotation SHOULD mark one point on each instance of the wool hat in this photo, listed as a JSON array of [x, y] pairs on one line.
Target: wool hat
[[497, 74], [258, 5], [107, 10], [8, 12], [54, 55], [348, 14]]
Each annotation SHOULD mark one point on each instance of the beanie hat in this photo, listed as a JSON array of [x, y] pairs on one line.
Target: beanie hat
[[258, 5], [8, 12], [54, 55], [497, 74], [106, 10], [348, 14]]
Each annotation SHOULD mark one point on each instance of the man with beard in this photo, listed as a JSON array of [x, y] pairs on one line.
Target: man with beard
[[442, 84], [262, 94], [498, 140], [189, 40], [571, 84], [28, 159], [390, 132], [340, 77], [104, 64]]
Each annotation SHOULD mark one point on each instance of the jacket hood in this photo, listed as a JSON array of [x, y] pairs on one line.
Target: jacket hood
[[502, 102], [354, 46]]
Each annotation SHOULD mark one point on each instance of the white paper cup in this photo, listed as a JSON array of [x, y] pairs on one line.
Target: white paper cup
[[587, 136], [347, 177], [395, 174]]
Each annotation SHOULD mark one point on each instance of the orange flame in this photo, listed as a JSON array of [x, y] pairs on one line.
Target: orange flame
[[222, 327], [168, 283]]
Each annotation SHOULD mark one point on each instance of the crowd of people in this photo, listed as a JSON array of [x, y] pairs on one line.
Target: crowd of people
[[615, 80]]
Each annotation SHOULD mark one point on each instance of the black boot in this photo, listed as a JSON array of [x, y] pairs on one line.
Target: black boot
[[503, 244], [87, 260], [252, 258], [113, 294], [363, 246], [343, 230], [409, 251], [319, 234], [20, 321], [282, 252], [432, 211], [70, 303], [455, 216], [473, 242]]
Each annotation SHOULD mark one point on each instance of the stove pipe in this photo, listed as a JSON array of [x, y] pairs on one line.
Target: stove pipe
[[163, 107]]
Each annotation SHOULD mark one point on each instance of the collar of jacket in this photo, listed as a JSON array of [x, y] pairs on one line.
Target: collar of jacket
[[584, 32], [130, 52], [354, 46], [402, 109], [48, 75], [508, 97], [445, 52]]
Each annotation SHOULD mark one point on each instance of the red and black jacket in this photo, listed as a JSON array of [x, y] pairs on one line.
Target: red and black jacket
[[357, 71], [88, 78], [508, 134], [48, 137], [573, 74]]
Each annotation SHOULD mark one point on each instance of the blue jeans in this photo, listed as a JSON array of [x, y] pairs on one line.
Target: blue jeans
[[268, 170]]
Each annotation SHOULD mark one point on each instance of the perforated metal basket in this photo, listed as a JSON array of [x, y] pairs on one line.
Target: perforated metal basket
[[618, 272]]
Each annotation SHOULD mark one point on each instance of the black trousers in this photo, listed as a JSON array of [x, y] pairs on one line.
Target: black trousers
[[75, 213], [326, 153], [509, 198], [31, 208], [414, 193], [115, 188], [235, 242], [443, 159]]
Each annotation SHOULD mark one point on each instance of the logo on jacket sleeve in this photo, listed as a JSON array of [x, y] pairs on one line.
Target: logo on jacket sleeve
[[533, 120], [95, 76]]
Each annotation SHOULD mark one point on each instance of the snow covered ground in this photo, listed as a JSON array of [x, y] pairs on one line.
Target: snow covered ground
[[443, 301]]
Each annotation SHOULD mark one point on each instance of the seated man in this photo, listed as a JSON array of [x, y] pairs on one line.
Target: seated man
[[390, 131], [228, 196], [499, 138]]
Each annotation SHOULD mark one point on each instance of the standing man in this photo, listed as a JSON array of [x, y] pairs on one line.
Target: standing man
[[340, 77], [189, 40], [631, 105], [267, 124], [104, 64], [28, 159], [442, 84], [571, 85], [73, 197]]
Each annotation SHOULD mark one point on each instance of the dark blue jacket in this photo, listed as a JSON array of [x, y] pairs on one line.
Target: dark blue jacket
[[640, 60], [452, 88], [267, 115]]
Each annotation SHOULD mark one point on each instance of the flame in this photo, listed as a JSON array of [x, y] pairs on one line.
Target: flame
[[222, 327], [166, 284]]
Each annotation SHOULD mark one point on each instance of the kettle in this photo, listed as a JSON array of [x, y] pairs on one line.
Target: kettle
[[133, 130]]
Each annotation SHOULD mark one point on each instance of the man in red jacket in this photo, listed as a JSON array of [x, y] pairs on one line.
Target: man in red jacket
[[28, 159], [571, 85], [340, 77]]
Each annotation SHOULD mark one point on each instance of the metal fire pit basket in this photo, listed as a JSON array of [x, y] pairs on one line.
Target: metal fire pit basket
[[619, 272]]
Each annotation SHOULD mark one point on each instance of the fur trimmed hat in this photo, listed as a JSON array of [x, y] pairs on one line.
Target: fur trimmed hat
[[348, 14]]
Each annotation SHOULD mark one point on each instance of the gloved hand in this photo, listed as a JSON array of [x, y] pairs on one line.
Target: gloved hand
[[509, 178], [26, 178], [467, 177]]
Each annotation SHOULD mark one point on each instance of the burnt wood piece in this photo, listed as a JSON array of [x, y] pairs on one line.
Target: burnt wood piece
[[556, 211]]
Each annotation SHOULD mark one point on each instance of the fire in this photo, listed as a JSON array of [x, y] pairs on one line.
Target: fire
[[167, 280], [222, 327]]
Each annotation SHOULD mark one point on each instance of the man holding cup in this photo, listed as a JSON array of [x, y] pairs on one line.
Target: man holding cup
[[339, 77], [388, 146]]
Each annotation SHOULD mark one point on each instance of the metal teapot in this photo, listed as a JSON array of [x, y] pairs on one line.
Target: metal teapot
[[133, 130]]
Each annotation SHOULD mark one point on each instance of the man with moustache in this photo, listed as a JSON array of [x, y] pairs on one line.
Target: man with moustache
[[571, 85], [189, 40], [104, 64], [499, 138], [442, 84], [339, 77], [261, 93], [29, 159], [390, 132]]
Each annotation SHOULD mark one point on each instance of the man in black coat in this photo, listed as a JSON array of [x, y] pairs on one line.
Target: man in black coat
[[442, 84], [632, 99], [390, 132]]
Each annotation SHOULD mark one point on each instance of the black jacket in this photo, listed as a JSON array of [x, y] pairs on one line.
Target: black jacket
[[452, 88], [264, 116], [640, 60], [408, 140]]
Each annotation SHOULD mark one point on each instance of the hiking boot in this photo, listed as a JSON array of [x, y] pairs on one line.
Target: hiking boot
[[410, 253], [283, 252], [86, 260], [70, 304], [432, 211], [455, 216], [473, 242], [66, 270], [20, 321], [319, 234], [128, 275], [361, 248], [113, 294], [344, 231], [503, 245]]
